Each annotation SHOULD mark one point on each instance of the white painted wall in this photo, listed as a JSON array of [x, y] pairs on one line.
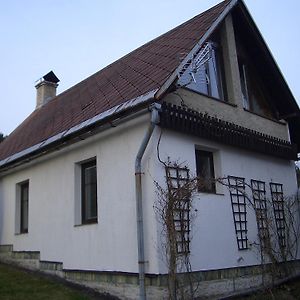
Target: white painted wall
[[214, 244], [110, 244]]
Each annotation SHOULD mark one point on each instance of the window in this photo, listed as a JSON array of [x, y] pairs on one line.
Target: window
[[244, 86], [205, 73], [255, 97], [23, 206], [89, 192], [255, 94], [205, 171]]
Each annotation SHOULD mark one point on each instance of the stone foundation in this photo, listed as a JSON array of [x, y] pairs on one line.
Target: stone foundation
[[211, 284]]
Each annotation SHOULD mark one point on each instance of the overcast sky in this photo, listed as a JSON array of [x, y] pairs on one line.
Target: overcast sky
[[76, 38]]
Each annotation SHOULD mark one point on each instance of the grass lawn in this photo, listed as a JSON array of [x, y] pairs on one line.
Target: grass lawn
[[17, 284]]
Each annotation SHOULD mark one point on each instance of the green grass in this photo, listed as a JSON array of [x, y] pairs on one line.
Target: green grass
[[17, 284]]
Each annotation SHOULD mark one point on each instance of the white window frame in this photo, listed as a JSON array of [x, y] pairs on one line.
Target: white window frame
[[18, 207]]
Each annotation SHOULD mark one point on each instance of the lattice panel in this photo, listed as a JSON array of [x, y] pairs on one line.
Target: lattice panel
[[260, 205], [278, 207], [177, 181], [238, 204]]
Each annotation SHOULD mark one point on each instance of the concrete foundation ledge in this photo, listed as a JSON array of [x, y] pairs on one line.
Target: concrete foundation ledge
[[51, 265], [210, 283], [26, 255], [6, 248]]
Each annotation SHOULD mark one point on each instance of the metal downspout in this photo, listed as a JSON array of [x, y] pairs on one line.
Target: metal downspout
[[139, 205]]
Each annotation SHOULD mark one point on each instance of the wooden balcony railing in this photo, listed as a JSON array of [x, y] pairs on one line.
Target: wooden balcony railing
[[204, 126]]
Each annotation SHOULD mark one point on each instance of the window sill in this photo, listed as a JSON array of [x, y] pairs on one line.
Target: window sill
[[262, 116], [21, 233], [86, 224], [211, 193], [210, 97]]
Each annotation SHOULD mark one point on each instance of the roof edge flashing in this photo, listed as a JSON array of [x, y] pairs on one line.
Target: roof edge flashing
[[255, 28], [77, 128], [198, 45]]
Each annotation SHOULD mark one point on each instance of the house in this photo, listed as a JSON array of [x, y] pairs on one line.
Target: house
[[78, 178]]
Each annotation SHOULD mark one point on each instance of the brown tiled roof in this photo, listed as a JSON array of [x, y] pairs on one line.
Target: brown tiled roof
[[143, 70]]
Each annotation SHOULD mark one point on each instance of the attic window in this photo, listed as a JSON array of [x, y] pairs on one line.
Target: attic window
[[205, 72], [256, 97]]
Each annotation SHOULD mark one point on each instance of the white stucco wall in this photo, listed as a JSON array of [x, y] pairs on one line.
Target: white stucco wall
[[214, 244], [109, 245]]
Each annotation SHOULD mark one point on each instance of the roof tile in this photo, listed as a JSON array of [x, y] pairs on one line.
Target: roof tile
[[137, 73]]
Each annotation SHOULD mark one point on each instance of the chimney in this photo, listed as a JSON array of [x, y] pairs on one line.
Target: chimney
[[46, 89]]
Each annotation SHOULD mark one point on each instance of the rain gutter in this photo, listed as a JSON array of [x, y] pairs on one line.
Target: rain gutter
[[77, 132]]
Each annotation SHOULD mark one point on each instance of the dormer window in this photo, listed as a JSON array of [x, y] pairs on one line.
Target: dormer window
[[255, 92], [255, 96], [205, 72]]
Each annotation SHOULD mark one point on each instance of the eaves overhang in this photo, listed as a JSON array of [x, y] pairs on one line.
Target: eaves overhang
[[267, 66], [287, 104], [78, 132], [294, 129], [281, 95]]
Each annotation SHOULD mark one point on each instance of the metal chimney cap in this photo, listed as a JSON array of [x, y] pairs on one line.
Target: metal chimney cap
[[51, 77]]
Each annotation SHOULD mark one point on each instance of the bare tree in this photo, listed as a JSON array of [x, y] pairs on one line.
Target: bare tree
[[277, 220], [278, 226], [174, 210]]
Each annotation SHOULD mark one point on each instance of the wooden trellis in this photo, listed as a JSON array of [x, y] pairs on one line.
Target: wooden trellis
[[278, 207], [260, 205], [178, 186], [238, 204]]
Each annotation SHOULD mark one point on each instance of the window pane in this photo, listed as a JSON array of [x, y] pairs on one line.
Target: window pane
[[205, 171], [256, 96], [205, 74], [215, 83], [24, 207], [244, 87], [89, 192]]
